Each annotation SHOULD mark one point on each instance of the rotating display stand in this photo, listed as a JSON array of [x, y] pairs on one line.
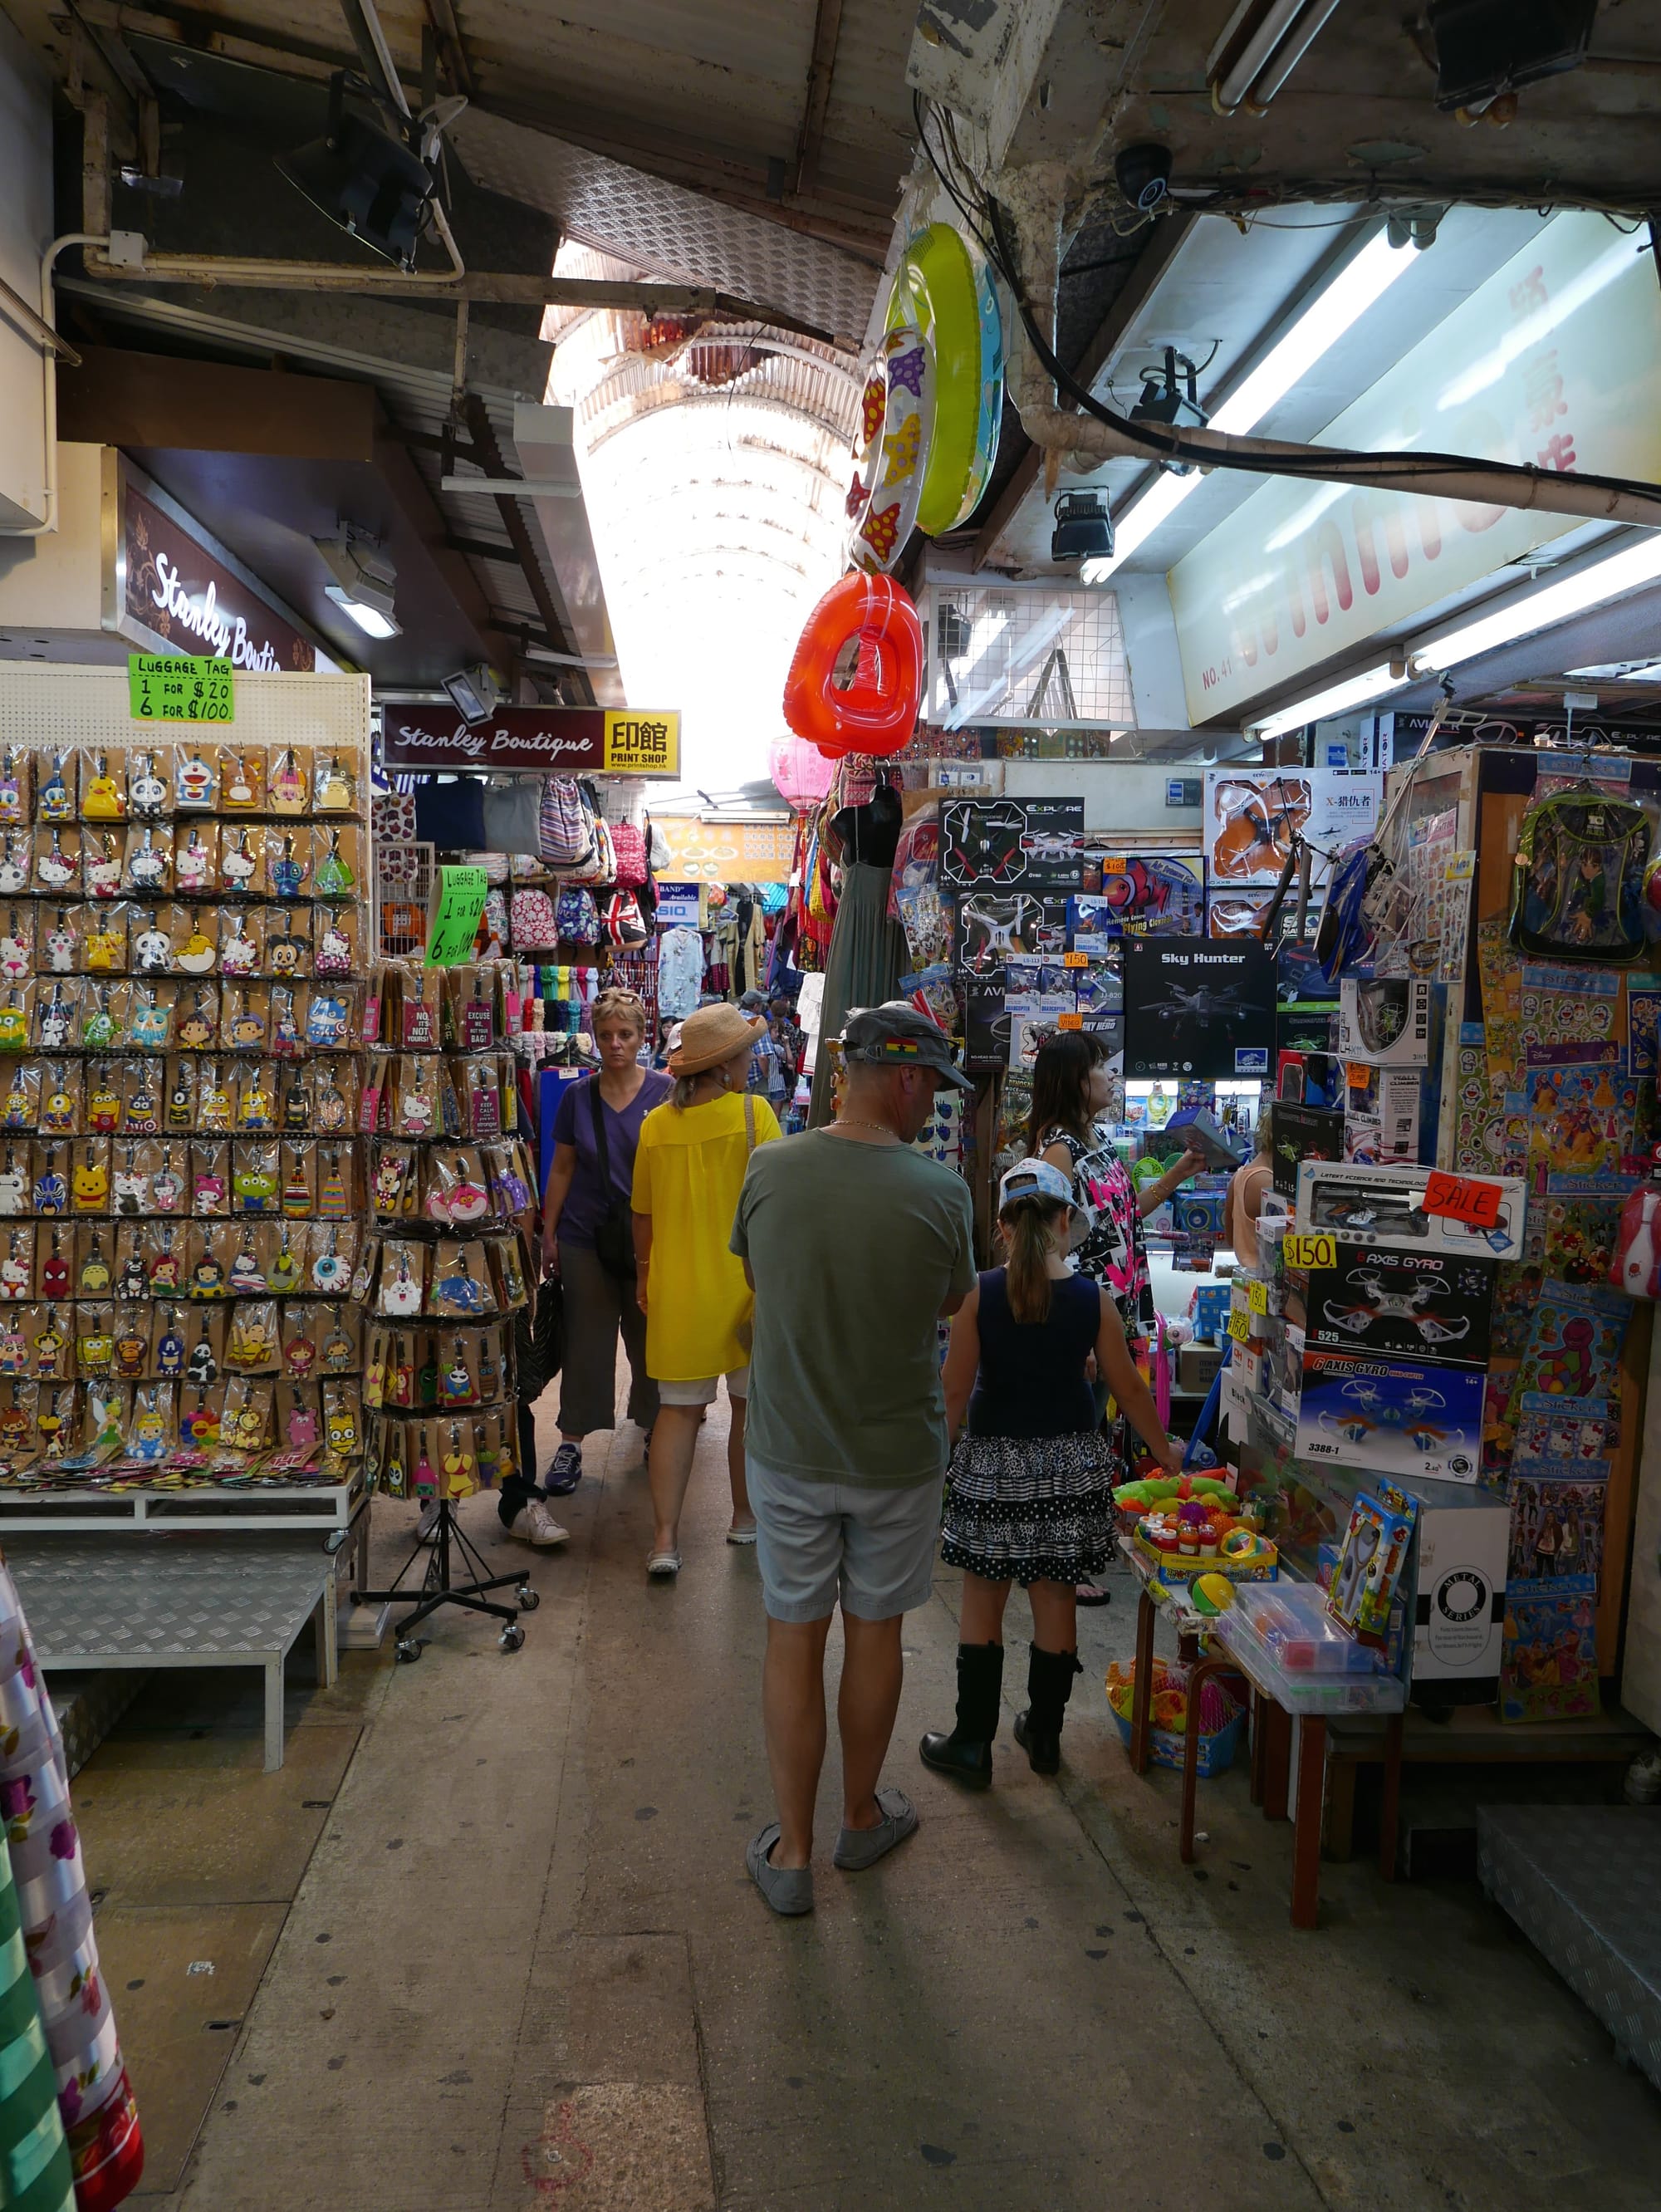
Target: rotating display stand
[[443, 1275]]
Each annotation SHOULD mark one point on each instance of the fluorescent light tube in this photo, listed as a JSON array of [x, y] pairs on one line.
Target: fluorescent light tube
[[1358, 285], [1625, 571], [1336, 699], [371, 620]]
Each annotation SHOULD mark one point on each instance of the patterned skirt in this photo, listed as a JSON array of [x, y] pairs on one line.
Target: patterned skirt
[[1031, 1509]]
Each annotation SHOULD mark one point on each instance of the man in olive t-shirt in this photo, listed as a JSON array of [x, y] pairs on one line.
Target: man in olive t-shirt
[[857, 1248]]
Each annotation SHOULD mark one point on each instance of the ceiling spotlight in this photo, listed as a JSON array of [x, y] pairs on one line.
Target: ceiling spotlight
[[368, 179], [1168, 396], [1083, 530], [365, 581], [475, 692]]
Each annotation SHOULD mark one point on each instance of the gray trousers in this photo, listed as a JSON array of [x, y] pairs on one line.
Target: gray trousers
[[596, 1305]]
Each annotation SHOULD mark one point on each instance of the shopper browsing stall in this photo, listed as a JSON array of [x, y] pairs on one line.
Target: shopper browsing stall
[[688, 1169], [588, 1234], [1248, 1187], [1029, 1494], [1072, 1089]]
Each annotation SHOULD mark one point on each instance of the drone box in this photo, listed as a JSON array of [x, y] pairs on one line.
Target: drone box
[[1308, 1077], [1200, 1008], [1459, 1595], [1381, 1113], [1009, 844], [1383, 1206], [1384, 1021], [1402, 1305], [1299, 1133], [1404, 1417]]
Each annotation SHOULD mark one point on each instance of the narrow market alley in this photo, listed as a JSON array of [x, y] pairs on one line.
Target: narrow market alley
[[524, 1966]]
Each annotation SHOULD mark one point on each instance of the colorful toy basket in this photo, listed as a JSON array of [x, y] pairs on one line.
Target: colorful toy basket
[[1218, 1741]]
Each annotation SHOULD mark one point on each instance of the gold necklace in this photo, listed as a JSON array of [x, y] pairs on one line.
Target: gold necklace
[[845, 1121]]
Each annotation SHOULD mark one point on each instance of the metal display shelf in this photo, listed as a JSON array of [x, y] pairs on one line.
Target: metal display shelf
[[191, 1601], [1583, 1882], [206, 1508]]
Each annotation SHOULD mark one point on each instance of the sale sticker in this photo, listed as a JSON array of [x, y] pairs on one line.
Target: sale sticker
[[1075, 959], [1070, 1021], [1239, 1328], [1310, 1251], [1257, 1296], [1463, 1198]]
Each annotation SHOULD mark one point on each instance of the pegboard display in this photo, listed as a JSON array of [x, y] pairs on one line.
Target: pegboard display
[[183, 937]]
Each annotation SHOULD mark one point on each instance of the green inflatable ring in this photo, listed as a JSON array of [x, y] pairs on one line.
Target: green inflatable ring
[[939, 287]]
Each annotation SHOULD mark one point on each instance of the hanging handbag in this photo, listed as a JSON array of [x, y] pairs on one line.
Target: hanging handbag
[[629, 847], [614, 1234], [539, 1343], [511, 821], [565, 827], [531, 923]]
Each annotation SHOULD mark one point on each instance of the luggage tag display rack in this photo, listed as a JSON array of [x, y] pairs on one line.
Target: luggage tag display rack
[[181, 926], [445, 1271]]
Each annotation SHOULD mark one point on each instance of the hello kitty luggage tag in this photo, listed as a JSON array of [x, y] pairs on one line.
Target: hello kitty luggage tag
[[237, 865], [100, 866], [17, 957], [333, 956], [15, 1270], [54, 869], [193, 865]]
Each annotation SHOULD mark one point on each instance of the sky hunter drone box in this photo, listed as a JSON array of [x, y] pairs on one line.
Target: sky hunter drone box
[[1406, 1305], [1400, 1417], [1383, 1207], [1202, 1007]]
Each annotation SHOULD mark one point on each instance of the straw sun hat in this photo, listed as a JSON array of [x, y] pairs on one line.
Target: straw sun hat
[[709, 1037]]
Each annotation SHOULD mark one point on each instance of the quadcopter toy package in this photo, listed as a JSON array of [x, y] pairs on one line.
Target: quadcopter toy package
[[1381, 1113], [1198, 1007], [1409, 1305], [1384, 1021], [993, 927], [1148, 893], [1384, 1206], [1299, 1133], [1370, 1565], [1009, 844], [1402, 1417]]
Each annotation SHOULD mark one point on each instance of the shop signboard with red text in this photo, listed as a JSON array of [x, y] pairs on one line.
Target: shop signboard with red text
[[536, 740]]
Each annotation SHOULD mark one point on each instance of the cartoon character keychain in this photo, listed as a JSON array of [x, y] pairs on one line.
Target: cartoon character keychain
[[14, 1022], [99, 1029], [52, 1192], [246, 1274], [54, 870], [336, 793], [14, 1185], [334, 1200], [152, 1022], [166, 1270], [60, 946], [16, 958], [238, 955], [104, 800], [288, 873], [166, 1187], [335, 877], [237, 865], [333, 956], [100, 866], [11, 784], [193, 864], [197, 955], [402, 1294], [152, 948], [286, 788], [196, 787], [55, 803], [285, 1270], [147, 790]]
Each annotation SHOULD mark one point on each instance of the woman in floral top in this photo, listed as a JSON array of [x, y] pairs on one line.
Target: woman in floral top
[[1071, 1088]]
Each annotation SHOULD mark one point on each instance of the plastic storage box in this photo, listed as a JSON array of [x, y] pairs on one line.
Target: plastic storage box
[[1291, 1622]]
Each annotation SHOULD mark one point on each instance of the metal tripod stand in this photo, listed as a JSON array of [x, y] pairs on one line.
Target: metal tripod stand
[[437, 1588]]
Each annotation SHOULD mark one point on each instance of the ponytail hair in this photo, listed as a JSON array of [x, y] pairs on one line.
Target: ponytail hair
[[1032, 1230]]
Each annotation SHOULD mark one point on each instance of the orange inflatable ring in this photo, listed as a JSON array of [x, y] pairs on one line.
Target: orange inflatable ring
[[877, 712]]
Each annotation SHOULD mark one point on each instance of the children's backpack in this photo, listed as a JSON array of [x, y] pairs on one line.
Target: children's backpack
[[577, 915], [1577, 888], [623, 925], [565, 825], [531, 921], [629, 847]]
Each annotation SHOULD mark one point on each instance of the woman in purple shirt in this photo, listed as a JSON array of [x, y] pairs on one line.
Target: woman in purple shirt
[[598, 1301]]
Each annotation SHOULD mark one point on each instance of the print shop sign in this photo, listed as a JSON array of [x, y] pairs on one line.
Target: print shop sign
[[551, 741]]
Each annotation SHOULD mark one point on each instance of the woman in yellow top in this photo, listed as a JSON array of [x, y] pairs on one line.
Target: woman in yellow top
[[688, 1170]]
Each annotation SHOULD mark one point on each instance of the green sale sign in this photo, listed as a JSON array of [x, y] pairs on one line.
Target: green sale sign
[[452, 923], [172, 687]]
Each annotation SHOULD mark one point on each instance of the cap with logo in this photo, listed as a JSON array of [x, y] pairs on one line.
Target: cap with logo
[[895, 1035]]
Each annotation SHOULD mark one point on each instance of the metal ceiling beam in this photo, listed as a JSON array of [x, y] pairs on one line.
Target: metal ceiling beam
[[1144, 276], [442, 16], [822, 68]]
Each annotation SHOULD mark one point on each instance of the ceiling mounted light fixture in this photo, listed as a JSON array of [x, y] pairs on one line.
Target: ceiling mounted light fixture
[[1083, 530], [1169, 396], [365, 581], [475, 692], [1323, 321], [366, 178], [1262, 43]]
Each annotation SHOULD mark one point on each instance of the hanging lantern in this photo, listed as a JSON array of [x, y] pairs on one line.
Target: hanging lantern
[[802, 775]]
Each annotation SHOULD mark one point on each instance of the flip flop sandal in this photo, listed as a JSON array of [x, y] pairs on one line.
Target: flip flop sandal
[[788, 1890], [859, 1848], [664, 1566], [1090, 1593], [737, 1536]]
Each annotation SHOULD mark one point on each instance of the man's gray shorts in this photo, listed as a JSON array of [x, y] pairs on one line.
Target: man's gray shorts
[[817, 1543]]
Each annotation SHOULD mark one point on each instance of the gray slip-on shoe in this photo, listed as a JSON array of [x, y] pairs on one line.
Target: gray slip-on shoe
[[788, 1890], [858, 1848]]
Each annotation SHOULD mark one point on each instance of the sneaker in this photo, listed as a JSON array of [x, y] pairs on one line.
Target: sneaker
[[533, 1525], [566, 1473]]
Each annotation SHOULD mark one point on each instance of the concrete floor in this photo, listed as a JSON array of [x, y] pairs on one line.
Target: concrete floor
[[486, 1944]]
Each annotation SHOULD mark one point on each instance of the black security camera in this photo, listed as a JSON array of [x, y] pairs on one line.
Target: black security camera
[[1143, 174]]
